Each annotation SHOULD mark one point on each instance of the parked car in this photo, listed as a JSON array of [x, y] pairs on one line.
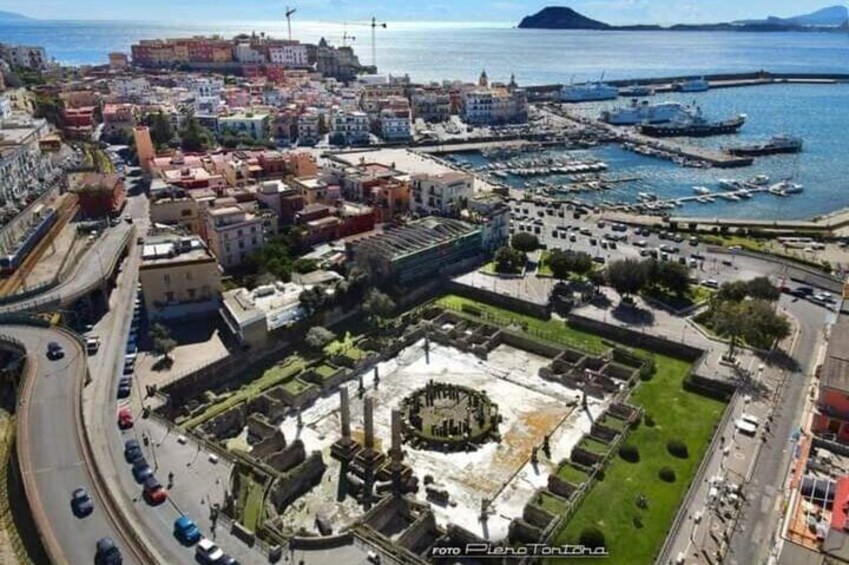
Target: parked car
[[125, 419], [107, 553], [92, 344], [710, 283], [227, 560], [207, 551], [153, 492], [55, 351], [186, 531], [132, 451], [141, 470], [81, 503], [125, 389]]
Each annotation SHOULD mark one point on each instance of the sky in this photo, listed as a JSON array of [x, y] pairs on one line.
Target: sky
[[508, 12]]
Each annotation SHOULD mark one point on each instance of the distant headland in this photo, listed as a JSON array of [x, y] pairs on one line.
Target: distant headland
[[561, 17], [12, 17]]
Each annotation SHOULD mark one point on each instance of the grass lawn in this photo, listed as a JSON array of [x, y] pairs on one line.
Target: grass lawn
[[542, 267], [491, 269], [552, 503], [250, 499], [552, 330], [594, 446], [696, 294], [271, 377], [297, 386], [325, 371], [346, 345], [611, 506], [731, 240], [572, 474], [613, 422]]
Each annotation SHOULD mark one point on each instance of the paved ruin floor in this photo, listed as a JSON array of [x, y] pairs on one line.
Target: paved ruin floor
[[501, 472]]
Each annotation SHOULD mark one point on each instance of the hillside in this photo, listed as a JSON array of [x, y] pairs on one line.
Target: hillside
[[12, 17], [560, 17], [832, 16]]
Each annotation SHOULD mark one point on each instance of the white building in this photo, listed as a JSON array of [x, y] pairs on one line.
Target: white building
[[246, 53], [253, 124], [441, 194], [130, 88], [351, 126], [495, 105], [207, 87], [22, 163], [233, 234], [293, 55], [5, 108], [308, 128], [24, 56], [395, 125]]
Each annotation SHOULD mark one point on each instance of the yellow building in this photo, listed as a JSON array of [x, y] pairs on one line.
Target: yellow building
[[179, 278]]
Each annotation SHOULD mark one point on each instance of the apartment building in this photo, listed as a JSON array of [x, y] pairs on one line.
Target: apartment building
[[395, 124], [256, 125], [350, 127], [309, 131], [179, 278], [100, 194], [443, 194], [21, 159], [432, 104], [289, 54], [24, 56], [233, 233]]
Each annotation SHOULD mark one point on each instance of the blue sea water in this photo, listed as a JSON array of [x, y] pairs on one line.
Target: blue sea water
[[817, 113], [437, 51]]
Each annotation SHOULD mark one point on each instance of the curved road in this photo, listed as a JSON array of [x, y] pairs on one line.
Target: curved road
[[50, 448]]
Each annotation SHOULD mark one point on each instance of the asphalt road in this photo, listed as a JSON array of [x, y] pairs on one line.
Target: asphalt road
[[54, 448]]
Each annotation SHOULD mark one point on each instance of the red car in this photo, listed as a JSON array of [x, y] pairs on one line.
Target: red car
[[153, 492], [125, 419]]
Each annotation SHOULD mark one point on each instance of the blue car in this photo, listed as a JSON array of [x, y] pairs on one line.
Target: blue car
[[186, 531], [132, 451], [141, 470], [124, 390]]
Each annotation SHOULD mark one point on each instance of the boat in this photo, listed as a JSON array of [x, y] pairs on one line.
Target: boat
[[776, 145], [729, 196], [743, 193], [636, 91], [588, 92], [786, 187], [645, 113], [692, 85], [730, 184], [646, 196], [694, 126], [759, 180], [701, 190]]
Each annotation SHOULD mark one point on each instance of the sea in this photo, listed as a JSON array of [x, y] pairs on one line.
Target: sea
[[436, 51]]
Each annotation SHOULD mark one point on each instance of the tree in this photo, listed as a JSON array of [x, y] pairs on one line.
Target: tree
[[509, 260], [317, 337], [735, 291], [564, 263], [160, 129], [378, 305], [163, 344], [728, 319], [764, 326], [627, 276], [524, 241], [674, 277], [194, 137], [302, 265], [50, 108], [761, 288], [312, 299]]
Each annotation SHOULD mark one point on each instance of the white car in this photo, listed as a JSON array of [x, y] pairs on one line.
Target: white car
[[208, 552]]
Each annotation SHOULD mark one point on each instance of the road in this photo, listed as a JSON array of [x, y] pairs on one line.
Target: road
[[51, 446], [92, 269]]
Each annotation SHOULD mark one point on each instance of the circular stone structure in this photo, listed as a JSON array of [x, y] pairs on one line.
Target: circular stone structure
[[449, 417]]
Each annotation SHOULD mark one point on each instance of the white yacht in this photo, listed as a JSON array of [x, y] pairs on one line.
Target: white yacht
[[639, 112], [786, 187], [760, 180], [588, 92], [693, 85], [701, 190], [730, 184]]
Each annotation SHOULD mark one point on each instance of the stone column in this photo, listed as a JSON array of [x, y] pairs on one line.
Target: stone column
[[345, 412], [396, 434], [368, 421]]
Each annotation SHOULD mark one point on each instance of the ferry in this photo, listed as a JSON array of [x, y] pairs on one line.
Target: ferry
[[695, 125], [693, 85], [588, 92], [701, 190], [775, 145], [645, 113]]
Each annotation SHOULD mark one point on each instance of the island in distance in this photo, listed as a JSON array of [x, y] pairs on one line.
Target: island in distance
[[562, 17]]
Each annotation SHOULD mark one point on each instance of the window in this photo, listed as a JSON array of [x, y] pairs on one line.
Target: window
[[169, 296], [167, 278], [188, 275], [191, 292]]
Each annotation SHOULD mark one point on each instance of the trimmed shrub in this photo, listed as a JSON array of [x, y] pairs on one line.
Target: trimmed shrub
[[648, 420], [667, 475], [629, 453], [677, 448], [591, 537]]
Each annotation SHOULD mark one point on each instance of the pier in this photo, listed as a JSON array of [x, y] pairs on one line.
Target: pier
[[715, 158]]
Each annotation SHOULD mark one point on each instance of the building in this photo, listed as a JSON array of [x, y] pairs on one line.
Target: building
[[309, 128], [255, 125], [24, 56], [350, 128], [496, 104], [22, 162], [130, 88], [177, 209], [118, 61], [284, 200], [492, 213], [78, 123], [832, 409], [420, 251], [119, 120], [233, 233], [431, 104], [100, 194], [144, 148], [443, 194], [339, 63], [248, 54], [179, 278], [290, 54], [395, 124]]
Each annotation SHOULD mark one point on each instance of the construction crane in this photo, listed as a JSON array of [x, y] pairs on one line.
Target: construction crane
[[289, 12], [374, 24], [346, 36]]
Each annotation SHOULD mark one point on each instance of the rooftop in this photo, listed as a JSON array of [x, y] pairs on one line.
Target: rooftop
[[835, 368], [277, 303], [416, 236], [168, 249]]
